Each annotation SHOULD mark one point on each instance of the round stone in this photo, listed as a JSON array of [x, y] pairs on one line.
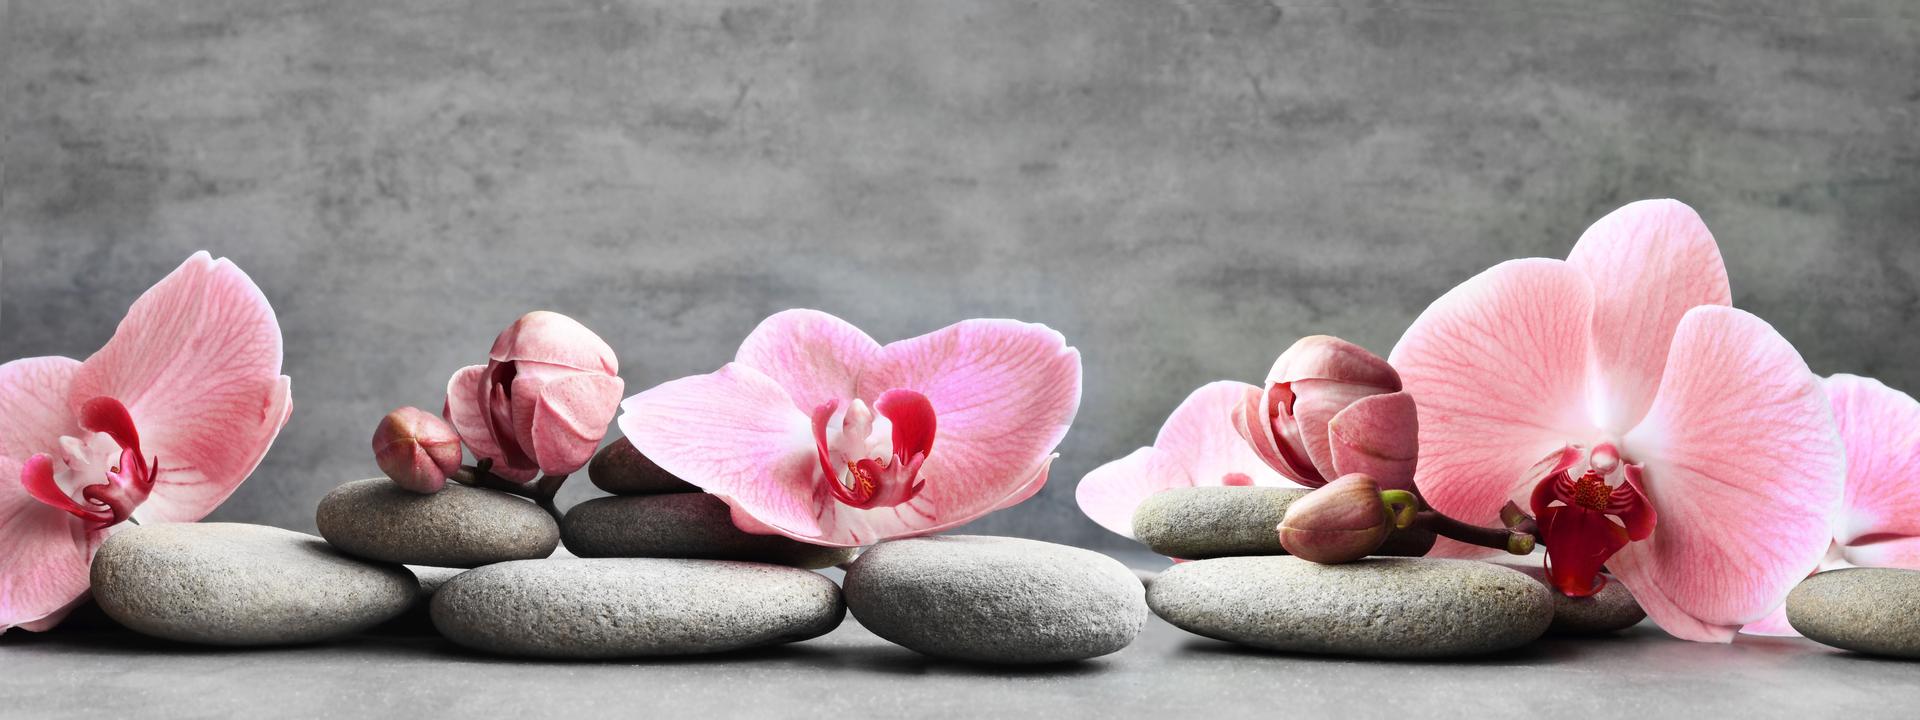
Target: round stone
[[619, 468], [1611, 610], [458, 527], [234, 584], [682, 525], [1868, 610], [1376, 607], [630, 607], [996, 600], [1195, 523]]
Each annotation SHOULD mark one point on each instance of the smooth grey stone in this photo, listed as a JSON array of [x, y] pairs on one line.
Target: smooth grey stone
[[1375, 607], [418, 619], [235, 584], [458, 527], [996, 599], [1868, 610], [1196, 523], [1611, 610], [1146, 576], [630, 607], [683, 525], [620, 469]]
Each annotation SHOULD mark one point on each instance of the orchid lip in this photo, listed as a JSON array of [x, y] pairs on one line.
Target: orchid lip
[[1584, 521], [128, 481], [873, 461]]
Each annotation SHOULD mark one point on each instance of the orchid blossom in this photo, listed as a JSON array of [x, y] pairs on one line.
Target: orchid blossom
[[1331, 409], [542, 402], [1197, 446], [160, 425], [819, 433], [1879, 520], [1686, 443]]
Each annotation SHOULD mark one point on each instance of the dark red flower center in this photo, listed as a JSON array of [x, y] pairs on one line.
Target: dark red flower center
[[865, 466], [1584, 522], [128, 481]]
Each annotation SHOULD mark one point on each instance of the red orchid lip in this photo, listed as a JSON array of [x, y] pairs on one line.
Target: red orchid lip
[[870, 482], [1579, 532], [127, 485]]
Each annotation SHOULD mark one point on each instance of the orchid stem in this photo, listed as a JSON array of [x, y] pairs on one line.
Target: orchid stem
[[1512, 541], [541, 491]]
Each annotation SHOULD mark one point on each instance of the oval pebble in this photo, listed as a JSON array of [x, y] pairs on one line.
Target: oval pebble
[[1376, 607], [458, 527], [1868, 610], [683, 525], [1196, 523], [995, 599], [1611, 610], [631, 607], [619, 468], [235, 584]]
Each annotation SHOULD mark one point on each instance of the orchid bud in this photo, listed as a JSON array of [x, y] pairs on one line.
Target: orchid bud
[[543, 400], [1343, 521], [1330, 409], [416, 449]]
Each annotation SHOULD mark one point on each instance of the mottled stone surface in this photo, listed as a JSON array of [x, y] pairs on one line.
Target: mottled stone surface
[[457, 527], [234, 584], [1869, 610], [681, 525], [1203, 522], [1611, 610], [1376, 607], [632, 607], [996, 600], [620, 469], [1182, 189]]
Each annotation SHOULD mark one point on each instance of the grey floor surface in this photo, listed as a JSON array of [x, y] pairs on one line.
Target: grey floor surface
[[851, 673]]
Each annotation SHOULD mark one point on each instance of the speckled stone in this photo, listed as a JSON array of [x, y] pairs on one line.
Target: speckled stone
[[995, 599], [682, 525], [1196, 523], [630, 607], [1868, 610], [619, 468], [1376, 607], [418, 619], [458, 527], [235, 584], [1611, 610]]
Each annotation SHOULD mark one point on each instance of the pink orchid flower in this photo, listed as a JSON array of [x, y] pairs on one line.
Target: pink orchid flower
[[1331, 409], [1693, 449], [160, 425], [819, 433], [1879, 520], [1198, 446], [542, 402]]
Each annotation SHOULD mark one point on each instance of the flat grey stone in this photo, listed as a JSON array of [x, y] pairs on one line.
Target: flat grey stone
[[418, 618], [1375, 607], [1868, 610], [458, 527], [619, 468], [1196, 523], [682, 525], [1611, 610], [235, 584], [630, 607], [995, 599]]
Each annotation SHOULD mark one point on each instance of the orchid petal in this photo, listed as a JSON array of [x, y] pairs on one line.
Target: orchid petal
[[1497, 368], [1773, 625], [1742, 460], [467, 409], [33, 408], [564, 412], [1881, 429], [1650, 262], [43, 556], [196, 362], [1110, 494], [550, 338], [1377, 436], [736, 434], [1005, 392], [1031, 488], [1324, 357], [1199, 436], [817, 357]]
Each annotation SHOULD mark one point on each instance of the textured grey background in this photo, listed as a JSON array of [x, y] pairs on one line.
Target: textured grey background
[[1180, 188]]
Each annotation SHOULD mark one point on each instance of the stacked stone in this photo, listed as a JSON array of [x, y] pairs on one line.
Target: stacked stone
[[1240, 586]]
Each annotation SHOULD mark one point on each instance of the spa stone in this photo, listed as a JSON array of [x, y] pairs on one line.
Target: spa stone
[[1611, 610], [620, 469], [458, 527], [1195, 523], [682, 525], [1867, 610]]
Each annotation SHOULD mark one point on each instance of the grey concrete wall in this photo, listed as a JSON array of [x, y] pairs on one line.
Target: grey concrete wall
[[1181, 188]]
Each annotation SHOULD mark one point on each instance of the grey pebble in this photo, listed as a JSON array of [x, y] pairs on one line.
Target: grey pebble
[[619, 468], [1195, 523], [1868, 610], [458, 527], [684, 525], [1611, 610]]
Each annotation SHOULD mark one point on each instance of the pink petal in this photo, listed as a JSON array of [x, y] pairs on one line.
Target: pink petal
[[1199, 437], [736, 434], [197, 363], [1773, 625], [467, 410], [43, 556], [1111, 493], [1742, 461], [34, 413], [551, 338], [564, 412], [1890, 552], [1881, 429], [1497, 368], [1004, 392], [1650, 262], [815, 356], [1378, 436], [1031, 488], [1324, 357]]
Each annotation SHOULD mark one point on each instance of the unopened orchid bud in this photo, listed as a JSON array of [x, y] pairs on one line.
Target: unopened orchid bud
[[1344, 520], [1330, 408], [417, 449]]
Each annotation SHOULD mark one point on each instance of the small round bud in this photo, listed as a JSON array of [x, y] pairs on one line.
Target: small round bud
[[1343, 521], [416, 449]]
